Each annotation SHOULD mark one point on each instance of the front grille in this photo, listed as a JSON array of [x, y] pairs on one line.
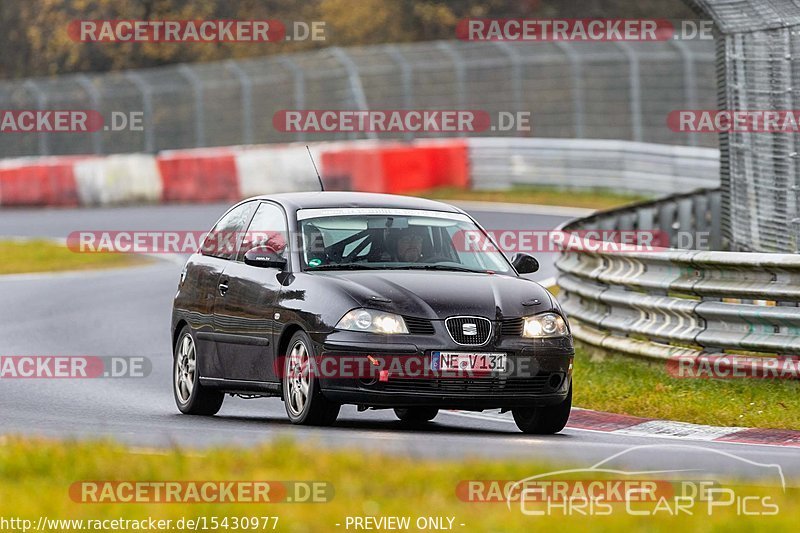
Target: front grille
[[539, 384], [469, 330], [512, 327], [419, 326]]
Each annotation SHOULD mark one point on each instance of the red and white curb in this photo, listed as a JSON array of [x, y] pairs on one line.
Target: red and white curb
[[634, 426]]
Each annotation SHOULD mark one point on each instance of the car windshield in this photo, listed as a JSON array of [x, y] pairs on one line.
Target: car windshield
[[395, 239]]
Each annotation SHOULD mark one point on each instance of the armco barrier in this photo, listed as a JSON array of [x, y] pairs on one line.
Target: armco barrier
[[591, 163], [680, 303]]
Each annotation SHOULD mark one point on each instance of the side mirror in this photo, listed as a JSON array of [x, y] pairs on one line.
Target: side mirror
[[525, 264], [265, 257]]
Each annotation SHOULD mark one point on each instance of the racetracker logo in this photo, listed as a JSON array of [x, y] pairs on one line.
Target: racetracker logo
[[201, 492], [548, 241], [68, 121], [175, 31], [73, 367], [734, 367], [736, 121], [384, 121], [484, 29]]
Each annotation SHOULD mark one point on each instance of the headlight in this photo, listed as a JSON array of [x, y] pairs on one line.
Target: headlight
[[544, 325], [372, 321]]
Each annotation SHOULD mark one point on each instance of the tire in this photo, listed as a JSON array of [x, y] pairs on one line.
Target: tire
[[190, 396], [417, 415], [545, 420], [302, 398]]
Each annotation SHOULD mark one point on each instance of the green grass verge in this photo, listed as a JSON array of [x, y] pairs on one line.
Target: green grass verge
[[25, 256], [595, 199], [35, 479], [622, 384]]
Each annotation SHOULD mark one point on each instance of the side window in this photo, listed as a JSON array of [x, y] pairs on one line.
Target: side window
[[223, 241], [268, 228]]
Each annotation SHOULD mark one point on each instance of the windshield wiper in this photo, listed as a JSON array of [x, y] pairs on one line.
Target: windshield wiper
[[454, 268], [343, 266]]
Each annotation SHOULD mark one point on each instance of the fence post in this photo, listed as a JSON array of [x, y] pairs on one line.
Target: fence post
[[406, 75], [147, 108], [356, 89], [460, 70], [299, 82], [516, 72], [635, 89], [689, 80], [576, 68], [41, 102], [197, 89], [247, 100], [94, 98]]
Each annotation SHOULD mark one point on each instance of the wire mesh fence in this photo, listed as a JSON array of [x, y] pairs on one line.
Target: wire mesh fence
[[606, 90], [758, 46]]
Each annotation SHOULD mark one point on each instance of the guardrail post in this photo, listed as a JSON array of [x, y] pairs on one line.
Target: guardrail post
[[356, 89], [299, 84], [94, 98], [197, 89], [147, 109], [246, 85], [41, 102]]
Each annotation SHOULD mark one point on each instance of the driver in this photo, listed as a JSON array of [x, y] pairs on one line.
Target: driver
[[409, 246]]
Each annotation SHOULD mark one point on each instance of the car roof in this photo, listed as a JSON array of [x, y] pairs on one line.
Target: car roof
[[326, 199]]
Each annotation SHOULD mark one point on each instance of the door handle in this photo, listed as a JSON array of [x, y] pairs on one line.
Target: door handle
[[223, 287]]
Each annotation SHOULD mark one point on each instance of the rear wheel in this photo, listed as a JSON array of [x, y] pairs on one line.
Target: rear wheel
[[544, 420], [302, 397], [190, 396], [416, 415]]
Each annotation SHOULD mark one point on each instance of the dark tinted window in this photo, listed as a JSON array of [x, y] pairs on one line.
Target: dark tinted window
[[268, 228], [223, 241]]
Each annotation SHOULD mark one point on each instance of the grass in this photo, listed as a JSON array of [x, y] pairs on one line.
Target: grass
[[35, 479], [622, 384], [26, 256], [593, 199]]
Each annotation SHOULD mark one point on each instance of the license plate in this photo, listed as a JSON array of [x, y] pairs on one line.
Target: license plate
[[468, 362]]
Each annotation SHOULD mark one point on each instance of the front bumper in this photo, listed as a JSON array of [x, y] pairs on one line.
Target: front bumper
[[539, 372]]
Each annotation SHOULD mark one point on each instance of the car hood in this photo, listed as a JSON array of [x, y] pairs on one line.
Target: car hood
[[438, 295]]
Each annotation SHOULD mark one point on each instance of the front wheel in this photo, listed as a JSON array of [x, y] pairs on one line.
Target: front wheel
[[302, 398], [544, 420], [416, 415], [190, 396]]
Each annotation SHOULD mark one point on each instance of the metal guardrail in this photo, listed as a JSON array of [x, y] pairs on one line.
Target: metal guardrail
[[679, 303], [645, 168]]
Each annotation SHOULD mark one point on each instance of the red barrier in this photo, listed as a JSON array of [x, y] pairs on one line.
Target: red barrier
[[399, 168], [204, 175], [51, 183]]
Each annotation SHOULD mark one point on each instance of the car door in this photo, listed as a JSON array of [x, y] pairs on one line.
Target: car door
[[243, 314], [201, 285]]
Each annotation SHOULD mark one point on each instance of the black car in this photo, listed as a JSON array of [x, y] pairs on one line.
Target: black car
[[380, 301]]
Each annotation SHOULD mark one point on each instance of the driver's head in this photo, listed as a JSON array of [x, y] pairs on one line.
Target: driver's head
[[409, 246]]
